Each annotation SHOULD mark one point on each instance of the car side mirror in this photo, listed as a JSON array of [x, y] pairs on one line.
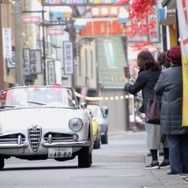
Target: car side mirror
[[105, 111], [83, 105]]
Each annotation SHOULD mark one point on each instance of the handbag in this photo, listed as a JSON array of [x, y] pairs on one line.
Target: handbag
[[153, 111]]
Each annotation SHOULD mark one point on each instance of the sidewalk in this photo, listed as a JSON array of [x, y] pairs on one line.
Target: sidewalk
[[171, 181], [156, 178]]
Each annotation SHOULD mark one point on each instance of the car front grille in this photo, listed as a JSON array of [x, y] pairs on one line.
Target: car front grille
[[59, 137], [16, 138], [34, 135]]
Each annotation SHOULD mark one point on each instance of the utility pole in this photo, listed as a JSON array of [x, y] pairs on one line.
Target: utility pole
[[43, 46], [43, 40], [18, 42]]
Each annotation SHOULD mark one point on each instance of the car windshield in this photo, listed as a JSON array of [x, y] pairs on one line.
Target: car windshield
[[96, 112], [49, 96]]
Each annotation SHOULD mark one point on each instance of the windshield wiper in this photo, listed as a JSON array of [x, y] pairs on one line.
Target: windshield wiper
[[36, 102], [8, 106]]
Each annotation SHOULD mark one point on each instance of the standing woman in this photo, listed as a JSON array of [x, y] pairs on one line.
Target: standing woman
[[170, 87], [145, 82]]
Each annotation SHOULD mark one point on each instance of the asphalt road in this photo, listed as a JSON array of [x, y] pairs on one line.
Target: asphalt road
[[119, 164]]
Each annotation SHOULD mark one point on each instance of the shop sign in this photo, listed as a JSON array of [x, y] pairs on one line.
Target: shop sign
[[26, 61], [31, 19], [51, 72], [103, 28], [11, 62], [35, 61], [55, 31], [7, 47], [105, 11], [68, 57], [78, 2]]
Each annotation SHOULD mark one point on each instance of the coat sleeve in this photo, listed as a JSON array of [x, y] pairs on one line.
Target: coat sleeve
[[159, 86], [137, 86]]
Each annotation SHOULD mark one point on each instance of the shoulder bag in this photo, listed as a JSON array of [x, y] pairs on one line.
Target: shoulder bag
[[153, 111]]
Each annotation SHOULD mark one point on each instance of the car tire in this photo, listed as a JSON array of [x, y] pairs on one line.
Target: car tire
[[104, 138], [2, 162], [84, 158], [97, 144]]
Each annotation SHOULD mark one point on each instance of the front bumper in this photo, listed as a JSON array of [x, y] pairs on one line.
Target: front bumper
[[48, 145], [68, 144]]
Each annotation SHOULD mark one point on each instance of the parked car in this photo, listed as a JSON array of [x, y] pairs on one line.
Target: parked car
[[96, 131], [100, 115], [96, 134], [44, 122]]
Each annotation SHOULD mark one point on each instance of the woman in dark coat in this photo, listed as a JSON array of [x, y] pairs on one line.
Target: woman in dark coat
[[170, 86], [145, 82]]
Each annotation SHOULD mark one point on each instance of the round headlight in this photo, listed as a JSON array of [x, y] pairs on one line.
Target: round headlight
[[75, 124]]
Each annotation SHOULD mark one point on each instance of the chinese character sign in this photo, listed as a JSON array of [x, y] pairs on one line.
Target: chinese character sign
[[35, 62], [68, 57], [7, 47], [11, 62], [51, 72], [26, 60]]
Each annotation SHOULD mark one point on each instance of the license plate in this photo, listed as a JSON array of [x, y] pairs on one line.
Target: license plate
[[59, 152]]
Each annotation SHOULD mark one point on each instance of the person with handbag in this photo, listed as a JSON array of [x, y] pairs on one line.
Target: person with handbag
[[170, 87], [145, 82]]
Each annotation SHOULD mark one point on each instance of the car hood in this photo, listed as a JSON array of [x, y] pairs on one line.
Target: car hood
[[45, 117]]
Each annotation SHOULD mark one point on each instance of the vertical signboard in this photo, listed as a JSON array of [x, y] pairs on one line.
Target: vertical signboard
[[26, 61], [35, 61], [51, 72], [68, 57], [7, 47], [11, 62]]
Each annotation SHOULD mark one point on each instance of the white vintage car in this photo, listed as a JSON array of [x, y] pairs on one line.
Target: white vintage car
[[44, 122]]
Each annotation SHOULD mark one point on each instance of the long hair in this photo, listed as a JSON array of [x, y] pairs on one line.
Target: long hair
[[146, 61]]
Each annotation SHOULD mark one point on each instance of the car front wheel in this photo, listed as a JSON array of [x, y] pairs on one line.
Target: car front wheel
[[104, 138], [2, 162], [97, 144], [84, 158]]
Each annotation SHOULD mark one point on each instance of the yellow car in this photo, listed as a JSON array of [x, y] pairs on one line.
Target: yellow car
[[96, 134]]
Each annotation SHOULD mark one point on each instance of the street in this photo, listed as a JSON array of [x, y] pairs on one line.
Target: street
[[119, 164]]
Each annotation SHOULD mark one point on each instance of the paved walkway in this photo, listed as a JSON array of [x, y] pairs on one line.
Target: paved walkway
[[160, 175], [171, 181]]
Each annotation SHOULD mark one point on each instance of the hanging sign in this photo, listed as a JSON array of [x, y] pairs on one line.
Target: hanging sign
[[11, 63], [7, 47], [26, 61], [55, 31], [68, 57], [51, 72], [35, 61], [78, 2], [31, 19]]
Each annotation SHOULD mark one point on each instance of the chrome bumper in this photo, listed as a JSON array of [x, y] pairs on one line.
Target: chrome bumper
[[68, 144], [49, 145], [13, 146]]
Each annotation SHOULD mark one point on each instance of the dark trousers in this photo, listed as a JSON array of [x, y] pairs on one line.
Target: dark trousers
[[178, 153]]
